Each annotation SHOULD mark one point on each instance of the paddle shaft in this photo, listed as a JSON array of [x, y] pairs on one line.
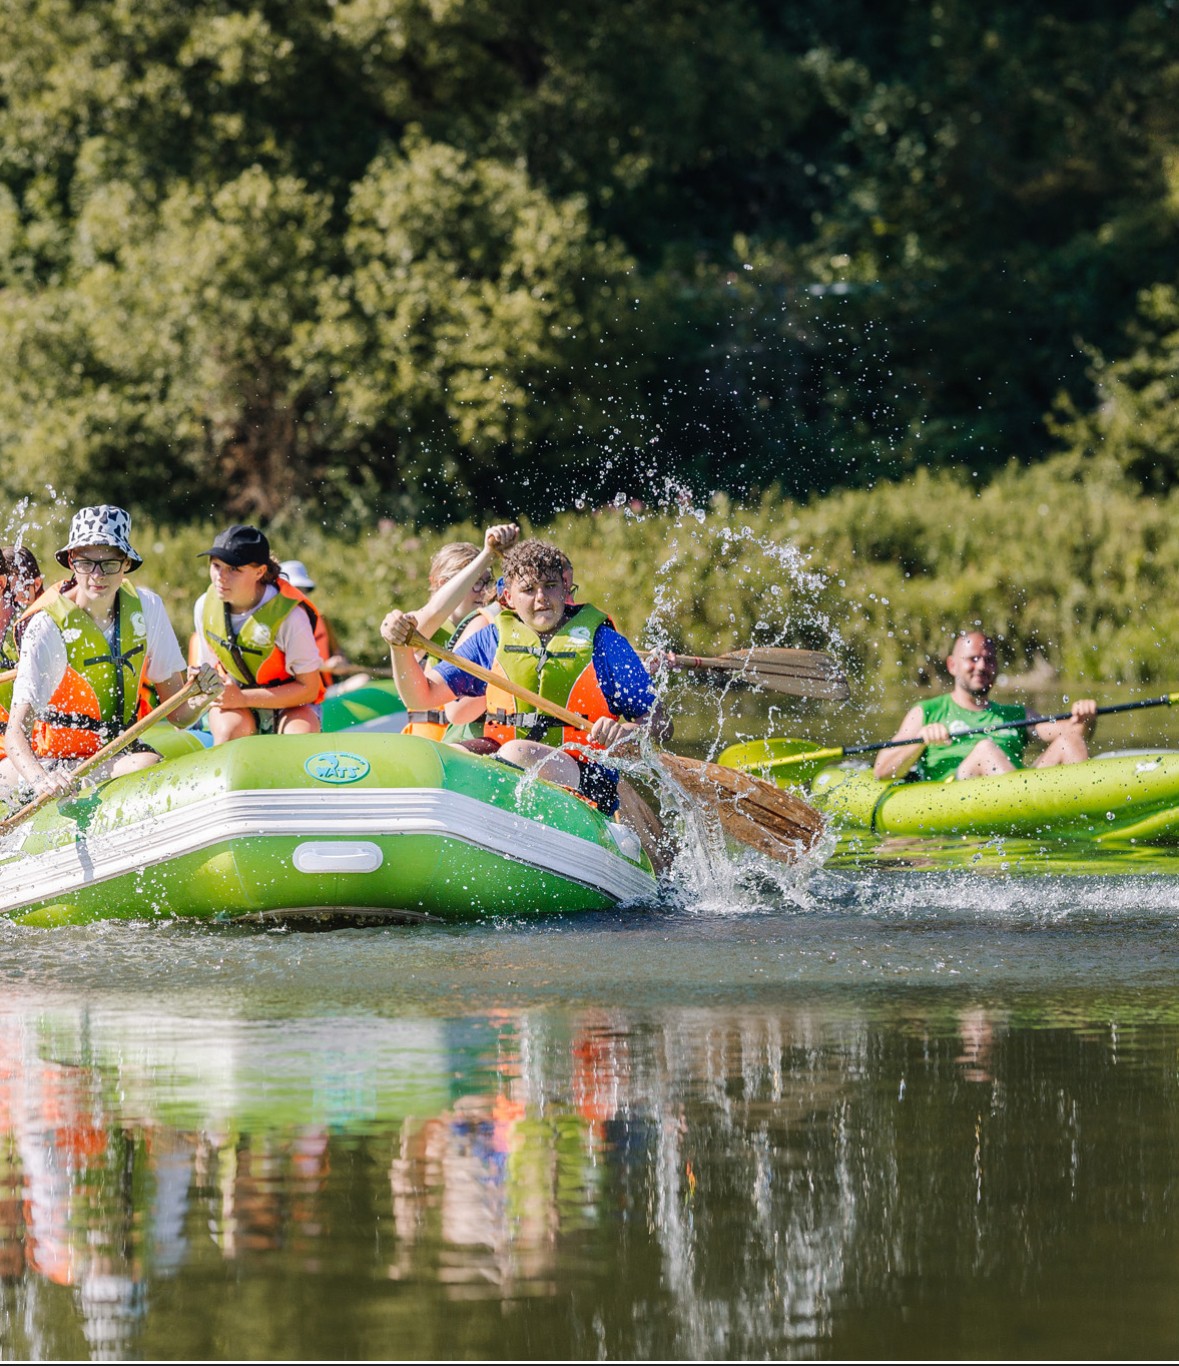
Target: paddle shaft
[[778, 668], [108, 751], [841, 752], [798, 673], [765, 656]]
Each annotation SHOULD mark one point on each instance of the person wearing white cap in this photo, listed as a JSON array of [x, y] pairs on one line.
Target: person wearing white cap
[[89, 643], [295, 573]]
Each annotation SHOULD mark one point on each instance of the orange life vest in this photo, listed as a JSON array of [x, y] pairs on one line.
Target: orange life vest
[[98, 695]]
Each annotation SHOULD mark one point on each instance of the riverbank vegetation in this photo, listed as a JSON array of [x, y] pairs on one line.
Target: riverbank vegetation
[[1066, 560], [422, 260]]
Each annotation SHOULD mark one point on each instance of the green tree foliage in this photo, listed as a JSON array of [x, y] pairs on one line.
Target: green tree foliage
[[475, 317], [411, 255]]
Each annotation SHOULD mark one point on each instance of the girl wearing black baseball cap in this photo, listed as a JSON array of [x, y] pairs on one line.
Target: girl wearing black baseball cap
[[258, 631]]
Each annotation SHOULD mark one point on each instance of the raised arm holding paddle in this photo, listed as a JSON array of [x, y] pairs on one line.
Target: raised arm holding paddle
[[589, 691]]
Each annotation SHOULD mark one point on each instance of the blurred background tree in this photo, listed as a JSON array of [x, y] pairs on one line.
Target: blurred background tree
[[421, 258]]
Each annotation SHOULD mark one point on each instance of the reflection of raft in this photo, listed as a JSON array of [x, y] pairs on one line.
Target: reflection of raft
[[1130, 796], [375, 825]]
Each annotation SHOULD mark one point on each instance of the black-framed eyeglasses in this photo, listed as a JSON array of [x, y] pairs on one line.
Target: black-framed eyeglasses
[[84, 566]]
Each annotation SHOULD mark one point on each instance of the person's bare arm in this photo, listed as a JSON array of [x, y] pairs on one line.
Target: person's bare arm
[[26, 763], [211, 687], [496, 539], [1084, 714], [300, 691], [895, 763], [420, 691]]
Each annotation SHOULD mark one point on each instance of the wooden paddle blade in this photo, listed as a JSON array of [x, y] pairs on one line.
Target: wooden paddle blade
[[801, 673], [755, 814]]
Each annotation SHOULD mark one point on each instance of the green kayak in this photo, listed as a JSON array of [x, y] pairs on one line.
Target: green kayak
[[1122, 797], [356, 825]]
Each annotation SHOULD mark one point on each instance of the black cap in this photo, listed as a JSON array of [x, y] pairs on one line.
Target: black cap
[[238, 545]]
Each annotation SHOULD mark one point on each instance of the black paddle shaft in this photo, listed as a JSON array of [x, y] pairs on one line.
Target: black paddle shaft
[[1164, 701]]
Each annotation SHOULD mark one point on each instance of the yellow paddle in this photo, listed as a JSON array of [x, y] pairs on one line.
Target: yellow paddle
[[108, 751], [753, 812]]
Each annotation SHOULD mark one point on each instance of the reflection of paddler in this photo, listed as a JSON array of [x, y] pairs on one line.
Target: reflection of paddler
[[89, 644], [601, 1065], [65, 1143]]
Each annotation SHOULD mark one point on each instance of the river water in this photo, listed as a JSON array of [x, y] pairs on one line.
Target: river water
[[914, 1103]]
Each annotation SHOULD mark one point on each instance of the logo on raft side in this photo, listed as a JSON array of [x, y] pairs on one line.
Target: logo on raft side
[[334, 766]]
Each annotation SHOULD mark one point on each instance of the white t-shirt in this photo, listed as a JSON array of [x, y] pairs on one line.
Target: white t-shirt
[[43, 660], [295, 636]]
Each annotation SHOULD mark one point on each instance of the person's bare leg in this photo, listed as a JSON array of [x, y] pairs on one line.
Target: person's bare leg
[[984, 760], [230, 724], [1068, 748], [131, 763], [542, 760], [298, 721]]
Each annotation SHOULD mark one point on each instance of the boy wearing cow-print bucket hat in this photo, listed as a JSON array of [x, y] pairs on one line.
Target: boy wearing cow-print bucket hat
[[89, 643]]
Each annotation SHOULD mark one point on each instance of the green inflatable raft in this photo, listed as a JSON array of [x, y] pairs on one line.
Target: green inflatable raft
[[354, 825], [1121, 797]]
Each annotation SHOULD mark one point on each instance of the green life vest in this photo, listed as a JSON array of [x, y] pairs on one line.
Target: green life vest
[[246, 654], [553, 668], [938, 762], [112, 670]]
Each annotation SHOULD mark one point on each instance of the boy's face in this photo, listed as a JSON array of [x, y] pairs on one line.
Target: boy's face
[[539, 601]]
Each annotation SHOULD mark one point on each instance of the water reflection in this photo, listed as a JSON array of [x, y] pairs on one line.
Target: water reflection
[[837, 1177]]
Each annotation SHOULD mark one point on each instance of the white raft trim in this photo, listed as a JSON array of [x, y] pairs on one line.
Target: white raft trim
[[285, 812]]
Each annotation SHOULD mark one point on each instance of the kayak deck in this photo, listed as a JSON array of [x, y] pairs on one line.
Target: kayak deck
[[1122, 798]]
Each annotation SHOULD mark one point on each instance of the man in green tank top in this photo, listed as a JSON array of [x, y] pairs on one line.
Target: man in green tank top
[[940, 753]]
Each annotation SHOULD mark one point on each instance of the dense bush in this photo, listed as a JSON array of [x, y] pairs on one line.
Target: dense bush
[[1066, 559]]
